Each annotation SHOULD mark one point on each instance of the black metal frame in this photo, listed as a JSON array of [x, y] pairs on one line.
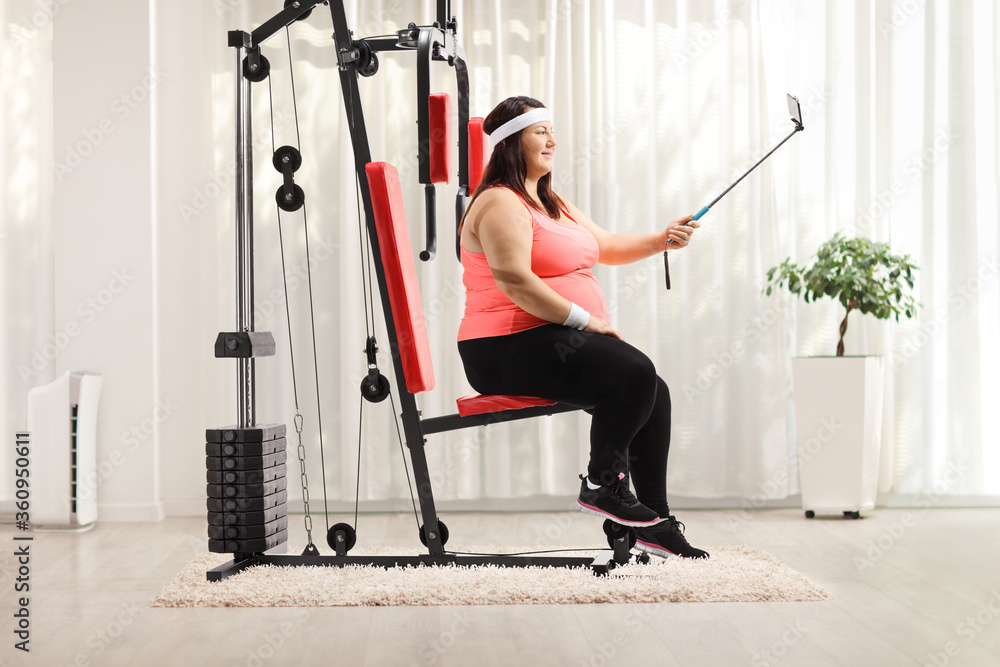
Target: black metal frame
[[355, 59]]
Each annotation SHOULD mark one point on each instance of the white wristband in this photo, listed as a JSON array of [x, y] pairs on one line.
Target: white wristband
[[578, 318]]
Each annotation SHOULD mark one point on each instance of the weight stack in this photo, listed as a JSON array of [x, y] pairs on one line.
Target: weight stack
[[246, 488]]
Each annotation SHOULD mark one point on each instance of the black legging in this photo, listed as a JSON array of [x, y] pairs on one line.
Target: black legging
[[610, 379]]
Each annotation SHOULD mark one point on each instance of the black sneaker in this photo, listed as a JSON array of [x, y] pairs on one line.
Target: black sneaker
[[666, 539], [615, 501]]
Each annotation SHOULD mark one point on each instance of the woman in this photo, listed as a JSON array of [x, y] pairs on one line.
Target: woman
[[536, 322]]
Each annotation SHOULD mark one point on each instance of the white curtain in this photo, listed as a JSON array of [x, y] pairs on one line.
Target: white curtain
[[658, 106], [28, 343], [901, 146]]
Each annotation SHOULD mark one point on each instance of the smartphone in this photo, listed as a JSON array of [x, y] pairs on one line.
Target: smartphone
[[795, 110]]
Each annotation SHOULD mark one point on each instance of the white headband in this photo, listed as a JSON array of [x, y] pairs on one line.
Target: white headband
[[518, 123]]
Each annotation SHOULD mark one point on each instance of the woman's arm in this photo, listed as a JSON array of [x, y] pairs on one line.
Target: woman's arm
[[628, 248], [503, 228]]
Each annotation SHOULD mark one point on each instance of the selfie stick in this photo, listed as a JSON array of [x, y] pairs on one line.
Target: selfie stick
[[798, 127], [796, 111]]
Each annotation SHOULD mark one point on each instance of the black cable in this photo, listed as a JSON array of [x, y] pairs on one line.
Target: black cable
[[363, 239], [270, 104], [365, 286], [291, 347], [367, 255], [369, 307], [526, 553], [357, 480], [402, 452], [312, 311], [364, 256], [291, 76], [281, 249], [312, 324]]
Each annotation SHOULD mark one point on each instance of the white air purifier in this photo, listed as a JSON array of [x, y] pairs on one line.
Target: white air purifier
[[62, 423]]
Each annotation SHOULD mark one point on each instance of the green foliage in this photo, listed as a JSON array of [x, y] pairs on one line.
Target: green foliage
[[861, 275]]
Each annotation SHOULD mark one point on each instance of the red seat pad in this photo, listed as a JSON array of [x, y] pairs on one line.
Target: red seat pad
[[400, 276], [476, 404], [439, 127], [477, 153]]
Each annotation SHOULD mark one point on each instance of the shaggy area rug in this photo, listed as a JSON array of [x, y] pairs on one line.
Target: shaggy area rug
[[733, 574]]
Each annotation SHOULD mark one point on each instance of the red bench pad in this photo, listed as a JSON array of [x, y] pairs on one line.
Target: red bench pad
[[476, 404], [439, 128], [400, 276], [477, 153]]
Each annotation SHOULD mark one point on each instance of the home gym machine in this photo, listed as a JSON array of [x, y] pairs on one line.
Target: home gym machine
[[246, 462]]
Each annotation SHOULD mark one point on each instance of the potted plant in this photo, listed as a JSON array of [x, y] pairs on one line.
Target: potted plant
[[838, 399]]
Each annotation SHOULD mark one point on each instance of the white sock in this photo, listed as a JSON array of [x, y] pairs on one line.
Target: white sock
[[591, 485]]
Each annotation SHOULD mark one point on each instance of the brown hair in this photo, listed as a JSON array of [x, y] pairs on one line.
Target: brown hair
[[507, 166]]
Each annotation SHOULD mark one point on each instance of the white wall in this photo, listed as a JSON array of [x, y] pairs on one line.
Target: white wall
[[135, 279], [191, 381]]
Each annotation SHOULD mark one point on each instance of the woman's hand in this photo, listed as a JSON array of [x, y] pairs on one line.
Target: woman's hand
[[680, 234], [598, 326]]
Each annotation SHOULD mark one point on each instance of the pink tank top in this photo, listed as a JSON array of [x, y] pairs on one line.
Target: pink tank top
[[561, 255]]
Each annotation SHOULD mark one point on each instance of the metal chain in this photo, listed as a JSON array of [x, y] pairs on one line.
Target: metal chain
[[305, 480]]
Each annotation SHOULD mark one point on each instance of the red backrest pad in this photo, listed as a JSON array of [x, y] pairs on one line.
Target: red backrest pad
[[477, 153], [400, 276], [439, 127]]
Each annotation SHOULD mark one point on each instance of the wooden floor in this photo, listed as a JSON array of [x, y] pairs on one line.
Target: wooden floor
[[910, 587]]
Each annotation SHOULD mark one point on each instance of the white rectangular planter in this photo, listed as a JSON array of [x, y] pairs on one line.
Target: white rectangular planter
[[838, 418]]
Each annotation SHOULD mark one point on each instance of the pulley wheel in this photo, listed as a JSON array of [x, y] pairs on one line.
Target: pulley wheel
[[291, 202], [260, 73], [350, 536], [370, 68], [375, 394], [444, 534], [289, 3], [615, 531], [289, 154], [367, 61]]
